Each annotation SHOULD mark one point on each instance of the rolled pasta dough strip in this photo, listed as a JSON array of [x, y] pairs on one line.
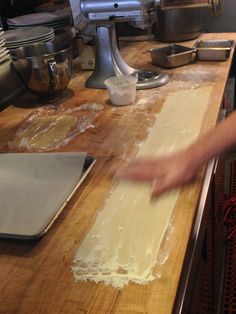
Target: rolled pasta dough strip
[[123, 243]]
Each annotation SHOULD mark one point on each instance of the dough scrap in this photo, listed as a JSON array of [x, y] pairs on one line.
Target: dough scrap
[[123, 243], [44, 132], [51, 127]]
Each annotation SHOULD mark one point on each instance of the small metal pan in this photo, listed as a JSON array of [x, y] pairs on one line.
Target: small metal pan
[[171, 56], [213, 50]]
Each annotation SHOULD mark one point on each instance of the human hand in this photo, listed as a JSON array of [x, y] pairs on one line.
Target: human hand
[[166, 173]]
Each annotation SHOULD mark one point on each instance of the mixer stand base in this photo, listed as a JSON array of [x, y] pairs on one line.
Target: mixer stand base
[[150, 79], [109, 62]]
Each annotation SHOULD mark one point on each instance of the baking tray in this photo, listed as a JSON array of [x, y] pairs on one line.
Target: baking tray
[[171, 56], [35, 188], [213, 50]]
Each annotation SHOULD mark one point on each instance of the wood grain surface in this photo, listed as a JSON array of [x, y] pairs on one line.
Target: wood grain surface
[[36, 277]]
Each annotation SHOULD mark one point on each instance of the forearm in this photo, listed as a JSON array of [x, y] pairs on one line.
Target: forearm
[[214, 142]]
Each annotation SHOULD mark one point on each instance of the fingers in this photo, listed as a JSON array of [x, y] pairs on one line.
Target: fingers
[[168, 183], [165, 173], [159, 187], [140, 170], [136, 174]]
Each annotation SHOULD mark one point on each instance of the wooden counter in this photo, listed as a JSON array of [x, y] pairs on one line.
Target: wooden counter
[[36, 277]]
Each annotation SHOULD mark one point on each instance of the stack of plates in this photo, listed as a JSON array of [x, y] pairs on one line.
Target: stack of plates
[[4, 53], [56, 20], [28, 35]]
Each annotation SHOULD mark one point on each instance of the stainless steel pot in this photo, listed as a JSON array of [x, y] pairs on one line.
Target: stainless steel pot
[[178, 24]]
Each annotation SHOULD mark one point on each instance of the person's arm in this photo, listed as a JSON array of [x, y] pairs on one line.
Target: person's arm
[[177, 169]]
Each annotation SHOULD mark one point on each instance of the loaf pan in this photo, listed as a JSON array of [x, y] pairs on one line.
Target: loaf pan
[[213, 50], [171, 56]]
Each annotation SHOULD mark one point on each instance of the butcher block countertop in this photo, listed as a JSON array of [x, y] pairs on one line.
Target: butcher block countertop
[[36, 276]]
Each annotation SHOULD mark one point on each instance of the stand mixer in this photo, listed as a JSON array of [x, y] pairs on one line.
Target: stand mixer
[[105, 14]]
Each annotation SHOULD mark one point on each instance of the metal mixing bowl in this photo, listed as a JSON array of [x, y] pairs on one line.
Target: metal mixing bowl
[[45, 68]]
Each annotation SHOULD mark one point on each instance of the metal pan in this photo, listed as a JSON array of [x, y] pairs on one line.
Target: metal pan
[[213, 50], [171, 56], [35, 189]]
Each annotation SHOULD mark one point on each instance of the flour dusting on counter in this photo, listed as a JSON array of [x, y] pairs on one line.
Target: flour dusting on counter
[[123, 244]]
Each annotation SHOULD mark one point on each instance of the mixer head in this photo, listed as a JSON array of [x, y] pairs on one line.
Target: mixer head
[[120, 10]]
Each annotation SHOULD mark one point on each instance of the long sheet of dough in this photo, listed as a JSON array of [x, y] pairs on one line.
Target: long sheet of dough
[[123, 243]]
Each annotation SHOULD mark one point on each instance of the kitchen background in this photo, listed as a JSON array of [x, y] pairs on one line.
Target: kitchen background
[[224, 22], [172, 27]]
